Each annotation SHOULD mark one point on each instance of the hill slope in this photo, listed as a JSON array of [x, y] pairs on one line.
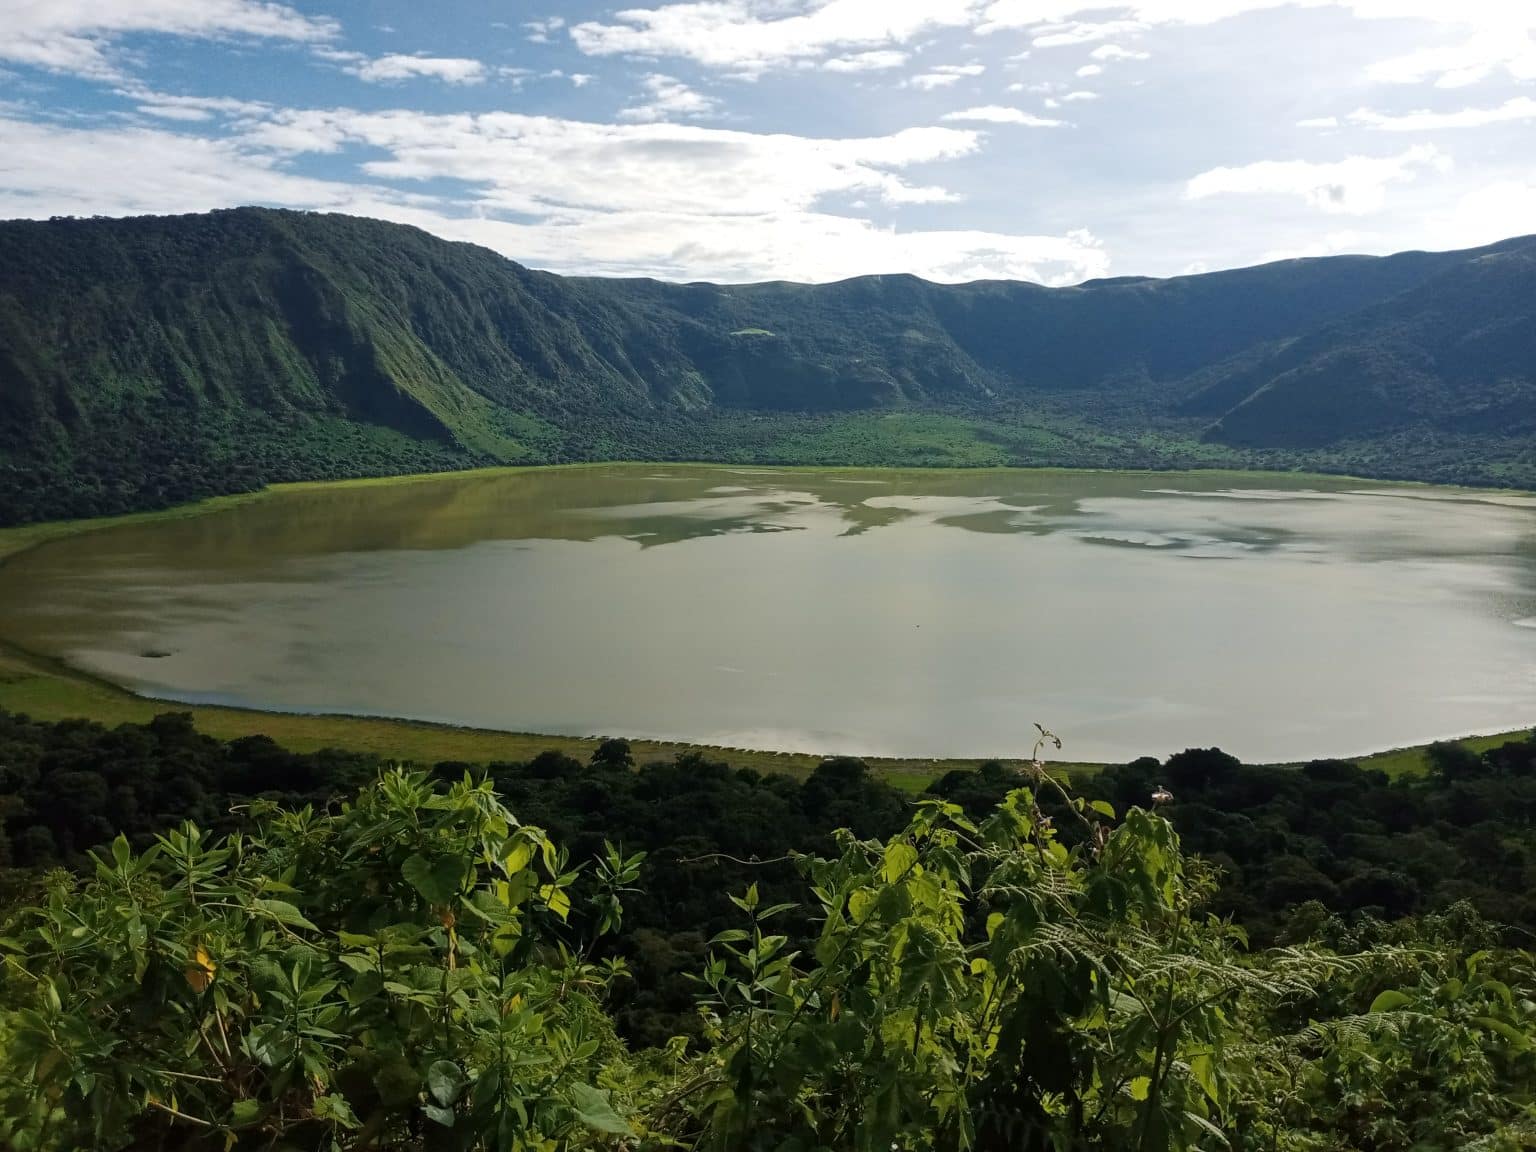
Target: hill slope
[[150, 360]]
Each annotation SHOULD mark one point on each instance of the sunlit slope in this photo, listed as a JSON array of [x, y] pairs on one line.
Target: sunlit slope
[[146, 361]]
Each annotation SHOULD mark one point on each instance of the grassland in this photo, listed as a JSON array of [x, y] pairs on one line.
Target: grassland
[[47, 690]]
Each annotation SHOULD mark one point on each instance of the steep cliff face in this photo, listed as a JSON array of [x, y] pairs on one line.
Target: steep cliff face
[[152, 359]]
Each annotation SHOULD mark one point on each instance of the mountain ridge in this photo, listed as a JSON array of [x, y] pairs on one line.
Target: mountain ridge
[[147, 360]]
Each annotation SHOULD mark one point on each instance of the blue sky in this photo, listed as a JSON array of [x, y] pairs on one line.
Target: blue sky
[[1051, 140]]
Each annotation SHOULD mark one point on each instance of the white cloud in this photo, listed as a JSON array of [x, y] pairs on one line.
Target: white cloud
[[1329, 245], [1509, 49], [666, 200], [191, 108], [866, 61], [1515, 110], [1493, 212], [540, 31], [944, 75], [1079, 97], [1319, 122], [581, 79], [999, 114], [77, 36], [1115, 52], [396, 67], [155, 171], [667, 98], [753, 35], [1354, 186], [541, 164], [1077, 32], [1088, 70]]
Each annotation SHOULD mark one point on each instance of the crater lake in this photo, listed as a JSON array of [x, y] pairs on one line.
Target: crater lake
[[878, 613]]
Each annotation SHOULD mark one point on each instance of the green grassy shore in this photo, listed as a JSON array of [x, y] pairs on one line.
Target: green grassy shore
[[47, 690]]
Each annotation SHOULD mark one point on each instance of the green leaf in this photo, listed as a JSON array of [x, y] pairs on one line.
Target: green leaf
[[1206, 1126], [283, 912], [1139, 1087], [593, 1109], [1390, 1001], [443, 1116], [245, 1112], [444, 1081], [1516, 1037], [437, 883], [1103, 808], [336, 1108], [899, 859], [1203, 1069], [557, 899], [519, 857], [859, 904]]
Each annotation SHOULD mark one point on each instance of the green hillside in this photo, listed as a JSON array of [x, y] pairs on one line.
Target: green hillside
[[152, 360]]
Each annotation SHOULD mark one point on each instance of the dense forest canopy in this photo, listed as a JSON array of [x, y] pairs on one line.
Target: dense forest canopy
[[409, 965], [153, 360], [1291, 847]]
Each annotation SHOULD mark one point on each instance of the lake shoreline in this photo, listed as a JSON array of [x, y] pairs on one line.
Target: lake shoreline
[[18, 538], [50, 689]]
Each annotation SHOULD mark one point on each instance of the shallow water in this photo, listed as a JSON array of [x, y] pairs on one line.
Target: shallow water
[[926, 613]]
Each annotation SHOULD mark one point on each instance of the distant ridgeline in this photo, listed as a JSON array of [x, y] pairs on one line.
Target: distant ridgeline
[[153, 360]]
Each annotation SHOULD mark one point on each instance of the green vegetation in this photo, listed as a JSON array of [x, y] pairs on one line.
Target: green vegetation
[[148, 362], [1326, 838], [415, 968]]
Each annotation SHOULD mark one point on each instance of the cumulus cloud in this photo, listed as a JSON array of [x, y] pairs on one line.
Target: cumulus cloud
[[1330, 244], [540, 31], [1495, 211], [1088, 70], [1115, 52], [1512, 111], [1079, 32], [1355, 186], [944, 75], [1493, 35], [77, 36], [872, 61], [644, 199], [1508, 48], [667, 98], [1000, 114], [754, 35], [540, 164], [192, 109], [395, 67]]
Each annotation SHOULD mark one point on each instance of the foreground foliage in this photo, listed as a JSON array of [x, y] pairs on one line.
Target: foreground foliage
[[1292, 846], [418, 969]]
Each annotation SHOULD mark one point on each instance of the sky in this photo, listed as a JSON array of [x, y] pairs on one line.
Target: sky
[[743, 140]]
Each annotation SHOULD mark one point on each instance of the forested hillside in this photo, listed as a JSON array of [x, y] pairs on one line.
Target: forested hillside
[[558, 955], [148, 361]]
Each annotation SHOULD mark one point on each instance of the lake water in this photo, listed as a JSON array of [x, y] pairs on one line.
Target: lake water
[[914, 613]]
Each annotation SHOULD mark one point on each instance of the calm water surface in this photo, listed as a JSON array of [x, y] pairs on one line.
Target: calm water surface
[[877, 613]]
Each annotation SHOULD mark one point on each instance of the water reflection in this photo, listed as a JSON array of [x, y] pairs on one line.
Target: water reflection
[[913, 613]]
